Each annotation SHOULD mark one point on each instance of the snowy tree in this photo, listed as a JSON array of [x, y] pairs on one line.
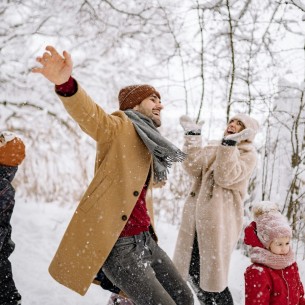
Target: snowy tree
[[210, 59]]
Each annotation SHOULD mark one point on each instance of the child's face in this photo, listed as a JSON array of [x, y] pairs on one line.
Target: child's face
[[280, 245]]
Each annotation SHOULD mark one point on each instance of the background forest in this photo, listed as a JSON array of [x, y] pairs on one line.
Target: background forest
[[209, 59]]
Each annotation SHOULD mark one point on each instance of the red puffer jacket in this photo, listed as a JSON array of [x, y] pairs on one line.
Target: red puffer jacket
[[266, 286]]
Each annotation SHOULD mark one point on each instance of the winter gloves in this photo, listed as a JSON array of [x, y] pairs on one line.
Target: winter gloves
[[241, 136], [233, 139], [190, 126]]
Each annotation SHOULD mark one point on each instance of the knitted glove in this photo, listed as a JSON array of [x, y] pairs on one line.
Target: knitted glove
[[240, 136], [190, 127]]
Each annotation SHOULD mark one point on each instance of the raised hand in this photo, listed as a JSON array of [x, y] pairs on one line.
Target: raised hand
[[190, 125], [244, 135], [56, 68]]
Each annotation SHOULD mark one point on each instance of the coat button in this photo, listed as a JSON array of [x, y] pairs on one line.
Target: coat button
[[124, 217], [136, 193], [193, 194]]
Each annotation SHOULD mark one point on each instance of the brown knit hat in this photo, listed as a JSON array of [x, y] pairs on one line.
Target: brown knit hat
[[12, 152], [132, 96]]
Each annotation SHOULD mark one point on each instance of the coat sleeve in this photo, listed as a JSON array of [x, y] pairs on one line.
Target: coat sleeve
[[7, 201], [91, 118], [257, 286], [302, 296], [232, 168], [194, 161]]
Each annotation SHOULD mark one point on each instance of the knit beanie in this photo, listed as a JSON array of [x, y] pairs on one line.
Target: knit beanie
[[12, 149], [270, 223], [132, 96], [248, 122]]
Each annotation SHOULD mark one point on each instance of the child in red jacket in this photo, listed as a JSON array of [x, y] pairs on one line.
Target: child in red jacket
[[273, 278]]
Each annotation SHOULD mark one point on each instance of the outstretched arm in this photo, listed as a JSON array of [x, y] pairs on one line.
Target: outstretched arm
[[90, 116], [192, 145], [56, 68]]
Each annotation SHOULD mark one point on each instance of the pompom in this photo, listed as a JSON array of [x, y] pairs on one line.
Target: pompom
[[263, 207]]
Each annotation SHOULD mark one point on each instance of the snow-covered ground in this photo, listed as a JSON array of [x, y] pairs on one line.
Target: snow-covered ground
[[37, 230]]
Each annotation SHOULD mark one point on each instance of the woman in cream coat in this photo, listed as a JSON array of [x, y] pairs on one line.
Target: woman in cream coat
[[213, 213]]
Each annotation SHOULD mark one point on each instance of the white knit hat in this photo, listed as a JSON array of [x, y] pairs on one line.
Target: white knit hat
[[248, 122], [270, 223]]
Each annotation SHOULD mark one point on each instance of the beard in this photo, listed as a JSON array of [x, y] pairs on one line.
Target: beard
[[156, 121]]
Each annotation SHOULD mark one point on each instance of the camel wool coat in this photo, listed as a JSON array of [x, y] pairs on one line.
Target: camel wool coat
[[214, 207], [121, 168]]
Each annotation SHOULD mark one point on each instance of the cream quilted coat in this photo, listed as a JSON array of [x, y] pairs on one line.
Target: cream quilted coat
[[214, 207]]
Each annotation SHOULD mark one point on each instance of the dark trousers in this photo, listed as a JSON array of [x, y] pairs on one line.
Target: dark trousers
[[205, 297], [145, 273], [8, 293]]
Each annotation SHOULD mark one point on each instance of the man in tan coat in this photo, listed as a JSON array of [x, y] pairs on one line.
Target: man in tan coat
[[111, 233], [213, 213]]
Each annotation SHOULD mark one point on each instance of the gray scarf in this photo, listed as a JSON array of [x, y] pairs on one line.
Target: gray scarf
[[163, 151]]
